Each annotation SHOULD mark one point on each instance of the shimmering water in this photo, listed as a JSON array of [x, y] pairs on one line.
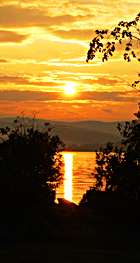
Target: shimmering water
[[78, 167]]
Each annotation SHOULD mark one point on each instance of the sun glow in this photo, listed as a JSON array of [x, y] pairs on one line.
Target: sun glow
[[69, 90]]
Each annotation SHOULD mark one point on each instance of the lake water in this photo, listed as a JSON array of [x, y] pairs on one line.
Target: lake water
[[78, 167]]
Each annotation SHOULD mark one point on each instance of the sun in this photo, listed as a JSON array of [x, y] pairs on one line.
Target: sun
[[69, 90]]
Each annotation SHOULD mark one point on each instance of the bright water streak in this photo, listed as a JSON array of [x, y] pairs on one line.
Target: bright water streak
[[77, 175], [68, 176]]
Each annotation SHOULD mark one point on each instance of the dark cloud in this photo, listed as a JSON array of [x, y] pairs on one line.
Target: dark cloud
[[16, 16], [4, 61], [26, 81], [8, 36], [107, 110], [16, 95], [101, 81], [103, 96], [82, 2]]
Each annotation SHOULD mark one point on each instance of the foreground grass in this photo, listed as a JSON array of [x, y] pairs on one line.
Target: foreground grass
[[82, 237]]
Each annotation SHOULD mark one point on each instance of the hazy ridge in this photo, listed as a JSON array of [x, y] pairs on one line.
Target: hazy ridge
[[80, 136]]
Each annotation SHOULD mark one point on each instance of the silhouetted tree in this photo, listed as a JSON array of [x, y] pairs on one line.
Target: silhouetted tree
[[118, 170], [106, 40], [117, 174], [117, 188], [30, 162]]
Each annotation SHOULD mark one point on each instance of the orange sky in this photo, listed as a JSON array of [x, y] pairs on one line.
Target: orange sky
[[43, 47]]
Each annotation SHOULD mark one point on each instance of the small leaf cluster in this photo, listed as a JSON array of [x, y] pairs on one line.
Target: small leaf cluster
[[135, 83]]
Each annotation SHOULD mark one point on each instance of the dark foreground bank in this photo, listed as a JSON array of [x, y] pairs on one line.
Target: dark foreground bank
[[73, 234]]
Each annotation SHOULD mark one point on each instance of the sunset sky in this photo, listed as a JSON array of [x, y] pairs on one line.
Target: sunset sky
[[43, 47]]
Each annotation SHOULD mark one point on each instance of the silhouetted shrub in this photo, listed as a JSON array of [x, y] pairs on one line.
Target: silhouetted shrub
[[30, 162], [117, 174]]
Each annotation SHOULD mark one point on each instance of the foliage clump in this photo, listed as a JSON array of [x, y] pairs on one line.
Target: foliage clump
[[30, 162], [117, 174]]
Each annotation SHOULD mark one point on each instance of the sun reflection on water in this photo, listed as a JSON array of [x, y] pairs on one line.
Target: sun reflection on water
[[77, 170], [68, 176]]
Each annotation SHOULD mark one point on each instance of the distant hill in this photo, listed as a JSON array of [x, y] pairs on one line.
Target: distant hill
[[71, 134], [79, 135], [107, 127]]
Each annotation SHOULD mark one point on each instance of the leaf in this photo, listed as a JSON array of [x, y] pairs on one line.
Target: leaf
[[113, 48], [127, 49], [97, 31], [110, 53]]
